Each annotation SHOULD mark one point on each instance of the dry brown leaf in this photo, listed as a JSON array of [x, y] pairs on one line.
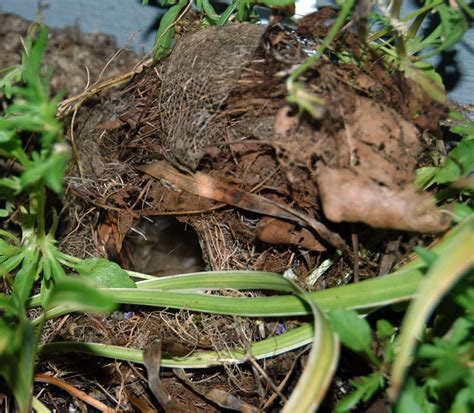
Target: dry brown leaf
[[152, 361], [350, 197], [208, 187], [222, 398], [276, 232]]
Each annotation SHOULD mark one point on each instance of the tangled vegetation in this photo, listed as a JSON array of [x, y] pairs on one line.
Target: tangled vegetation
[[423, 364]]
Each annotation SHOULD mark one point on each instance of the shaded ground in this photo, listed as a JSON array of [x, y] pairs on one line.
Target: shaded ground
[[201, 164]]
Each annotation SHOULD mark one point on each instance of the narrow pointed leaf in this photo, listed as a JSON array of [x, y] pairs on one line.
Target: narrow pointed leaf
[[453, 263]]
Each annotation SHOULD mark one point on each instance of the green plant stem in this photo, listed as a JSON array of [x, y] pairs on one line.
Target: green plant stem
[[268, 347], [423, 11], [362, 296], [415, 26], [40, 194], [395, 9]]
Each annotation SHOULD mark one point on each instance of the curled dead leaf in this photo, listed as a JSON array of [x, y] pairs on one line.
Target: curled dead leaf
[[276, 232], [349, 197]]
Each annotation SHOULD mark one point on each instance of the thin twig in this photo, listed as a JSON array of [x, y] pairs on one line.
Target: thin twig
[[73, 391]]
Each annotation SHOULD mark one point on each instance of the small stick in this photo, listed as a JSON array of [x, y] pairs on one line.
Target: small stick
[[355, 251], [73, 391]]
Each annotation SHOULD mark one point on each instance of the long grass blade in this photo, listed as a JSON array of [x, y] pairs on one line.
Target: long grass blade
[[268, 347], [455, 260], [318, 373]]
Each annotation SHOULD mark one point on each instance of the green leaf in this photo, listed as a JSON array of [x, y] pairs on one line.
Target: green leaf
[[444, 36], [58, 164], [217, 280], [447, 355], [8, 250], [365, 389], [460, 162], [243, 10], [25, 277], [80, 296], [461, 212], [306, 101], [426, 76], [320, 367], [11, 75], [7, 136], [428, 256], [466, 300], [17, 363], [269, 347], [11, 263], [385, 329], [9, 235], [5, 212], [453, 25], [52, 273], [465, 128], [12, 183], [231, 8], [167, 3], [415, 399], [206, 8], [276, 3], [463, 402], [5, 304], [425, 176], [57, 269], [166, 31], [51, 170], [353, 331], [39, 407], [454, 261], [32, 62], [408, 404], [104, 273]]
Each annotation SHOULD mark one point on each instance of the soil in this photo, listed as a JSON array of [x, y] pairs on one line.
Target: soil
[[207, 143]]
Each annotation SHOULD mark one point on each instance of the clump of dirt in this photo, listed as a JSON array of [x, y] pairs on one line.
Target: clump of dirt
[[208, 138], [225, 125]]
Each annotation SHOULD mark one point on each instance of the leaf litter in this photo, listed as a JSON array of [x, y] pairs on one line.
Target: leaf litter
[[260, 186]]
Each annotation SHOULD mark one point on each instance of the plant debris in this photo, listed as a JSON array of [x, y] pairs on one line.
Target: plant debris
[[208, 141]]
